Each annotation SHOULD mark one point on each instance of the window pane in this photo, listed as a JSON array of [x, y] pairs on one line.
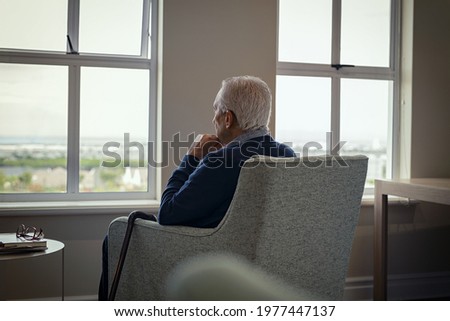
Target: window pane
[[365, 32], [35, 25], [113, 122], [33, 128], [303, 111], [305, 31], [364, 123], [111, 26]]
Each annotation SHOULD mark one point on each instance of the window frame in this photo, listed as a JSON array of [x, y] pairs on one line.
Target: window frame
[[392, 73], [75, 61]]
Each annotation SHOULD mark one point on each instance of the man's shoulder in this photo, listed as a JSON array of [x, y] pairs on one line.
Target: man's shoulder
[[235, 153], [286, 151], [271, 147]]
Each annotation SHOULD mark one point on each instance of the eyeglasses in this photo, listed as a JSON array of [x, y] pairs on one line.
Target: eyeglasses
[[29, 233]]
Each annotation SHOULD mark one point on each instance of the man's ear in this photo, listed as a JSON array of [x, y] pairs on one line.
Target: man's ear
[[229, 119]]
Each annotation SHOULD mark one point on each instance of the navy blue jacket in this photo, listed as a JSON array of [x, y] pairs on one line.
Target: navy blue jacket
[[199, 192]]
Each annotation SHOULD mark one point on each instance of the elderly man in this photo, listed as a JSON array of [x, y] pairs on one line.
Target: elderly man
[[200, 191]]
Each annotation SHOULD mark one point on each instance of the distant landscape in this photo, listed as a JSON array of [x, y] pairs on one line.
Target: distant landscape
[[40, 166]]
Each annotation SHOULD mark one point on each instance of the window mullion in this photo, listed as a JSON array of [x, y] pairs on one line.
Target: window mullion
[[145, 28], [73, 140], [395, 66], [154, 122], [336, 80], [336, 32], [394, 48], [322, 70], [73, 137], [73, 24], [335, 111]]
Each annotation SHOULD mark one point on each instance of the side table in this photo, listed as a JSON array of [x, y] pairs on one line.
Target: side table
[[53, 246], [435, 190]]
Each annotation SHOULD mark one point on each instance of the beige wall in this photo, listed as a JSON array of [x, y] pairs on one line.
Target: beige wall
[[205, 41], [430, 156]]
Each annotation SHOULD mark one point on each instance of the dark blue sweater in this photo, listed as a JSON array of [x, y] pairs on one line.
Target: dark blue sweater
[[200, 192]]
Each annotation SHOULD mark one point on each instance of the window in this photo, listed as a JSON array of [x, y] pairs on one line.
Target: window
[[337, 73], [77, 99]]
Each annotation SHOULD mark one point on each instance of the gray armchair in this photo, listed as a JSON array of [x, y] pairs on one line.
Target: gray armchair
[[292, 218]]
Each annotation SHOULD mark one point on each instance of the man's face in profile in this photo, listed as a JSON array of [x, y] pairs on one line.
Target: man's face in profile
[[219, 119]]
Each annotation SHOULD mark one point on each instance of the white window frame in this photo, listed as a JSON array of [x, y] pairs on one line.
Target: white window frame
[[75, 62], [373, 73]]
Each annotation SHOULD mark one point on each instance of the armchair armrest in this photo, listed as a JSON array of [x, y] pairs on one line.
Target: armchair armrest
[[154, 250]]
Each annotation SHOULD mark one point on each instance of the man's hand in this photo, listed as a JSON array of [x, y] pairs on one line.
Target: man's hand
[[204, 144]]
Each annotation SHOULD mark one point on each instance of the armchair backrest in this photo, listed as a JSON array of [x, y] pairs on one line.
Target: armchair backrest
[[296, 218]]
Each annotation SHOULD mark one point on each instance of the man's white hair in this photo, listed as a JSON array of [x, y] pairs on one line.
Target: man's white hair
[[249, 98]]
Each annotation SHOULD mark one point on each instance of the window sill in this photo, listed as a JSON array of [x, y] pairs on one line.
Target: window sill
[[77, 207], [120, 207]]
